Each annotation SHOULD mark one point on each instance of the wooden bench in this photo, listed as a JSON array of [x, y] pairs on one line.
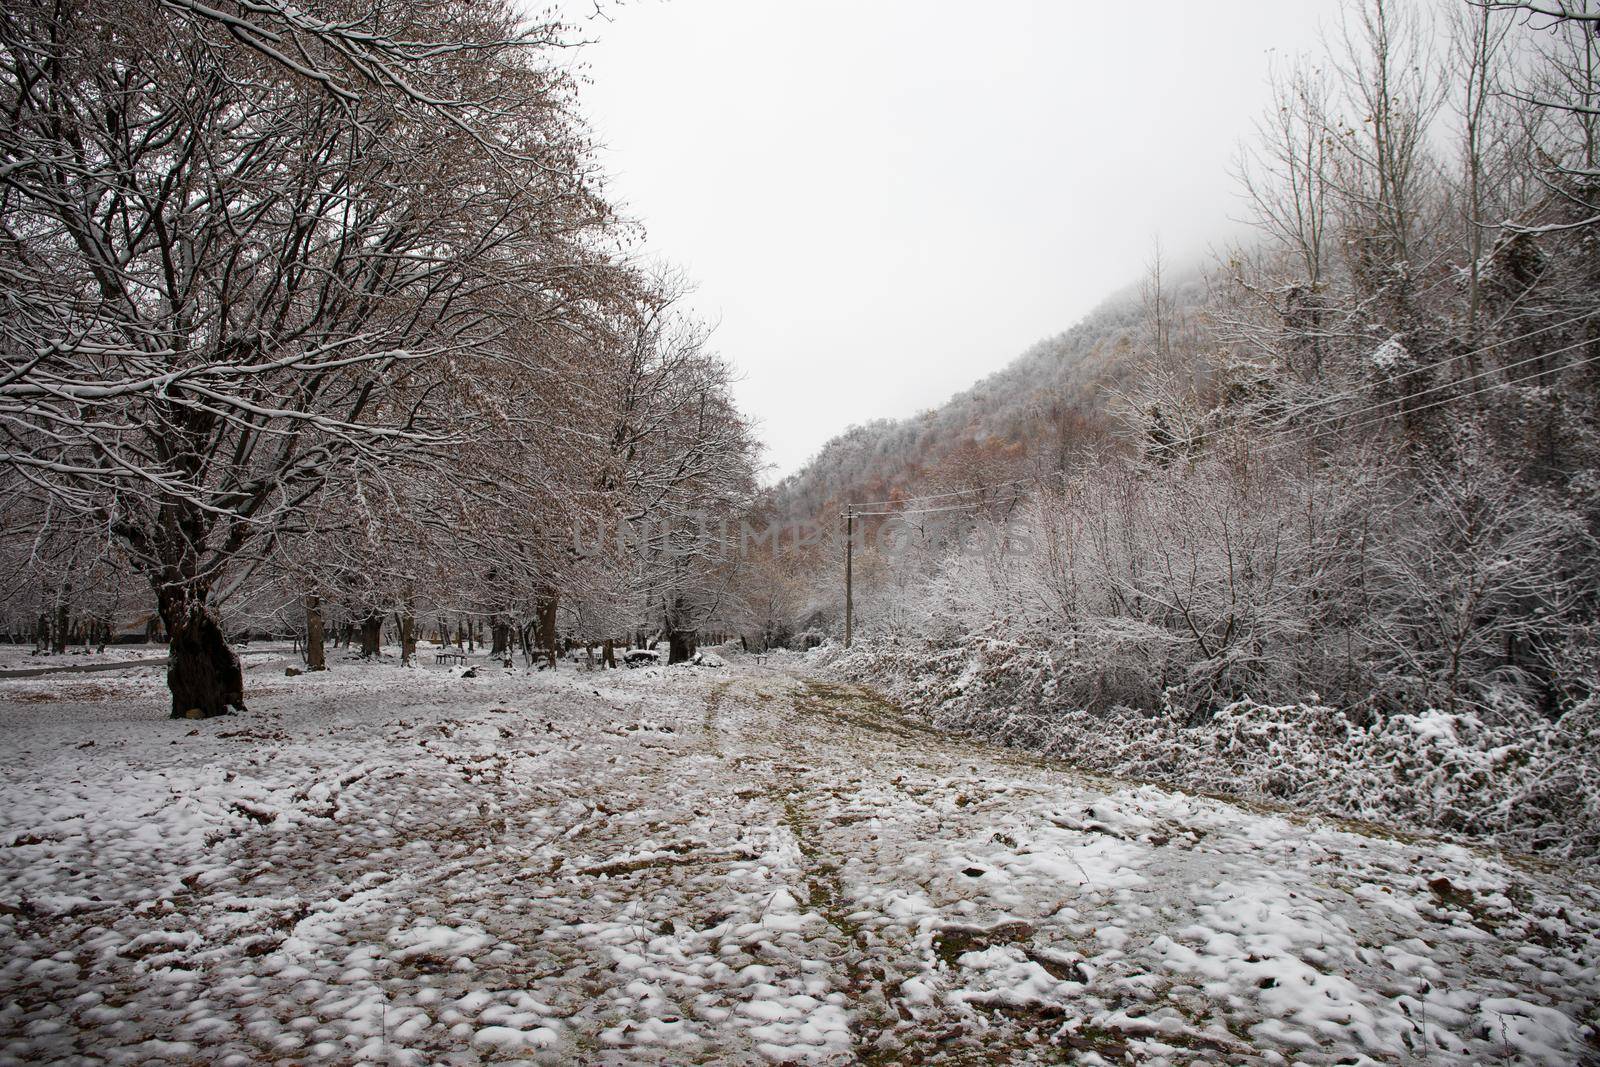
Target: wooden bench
[[448, 656]]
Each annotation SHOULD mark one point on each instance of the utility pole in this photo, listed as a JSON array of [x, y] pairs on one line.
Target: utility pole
[[849, 562]]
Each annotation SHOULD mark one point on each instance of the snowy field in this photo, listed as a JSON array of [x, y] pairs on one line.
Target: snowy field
[[23, 657], [691, 865]]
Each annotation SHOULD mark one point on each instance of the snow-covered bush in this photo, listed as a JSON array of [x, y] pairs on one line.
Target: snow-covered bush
[[1518, 779]]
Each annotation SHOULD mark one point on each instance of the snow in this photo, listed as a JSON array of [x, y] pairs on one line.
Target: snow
[[741, 865], [1511, 776], [1390, 356]]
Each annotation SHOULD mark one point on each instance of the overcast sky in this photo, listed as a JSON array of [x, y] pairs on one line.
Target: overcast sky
[[881, 202]]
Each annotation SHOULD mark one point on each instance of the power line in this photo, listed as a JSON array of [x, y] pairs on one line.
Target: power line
[[1438, 388], [851, 513], [1451, 399], [1326, 401], [1487, 388], [923, 497], [924, 511]]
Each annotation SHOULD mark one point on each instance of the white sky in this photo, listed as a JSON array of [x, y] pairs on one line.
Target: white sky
[[881, 202]]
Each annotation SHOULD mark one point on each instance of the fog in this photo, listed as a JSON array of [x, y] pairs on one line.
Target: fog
[[880, 203]]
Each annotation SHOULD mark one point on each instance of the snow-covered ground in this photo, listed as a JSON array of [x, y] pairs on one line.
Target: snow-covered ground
[[23, 656], [694, 865]]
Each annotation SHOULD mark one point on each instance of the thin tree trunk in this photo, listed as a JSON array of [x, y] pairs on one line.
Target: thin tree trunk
[[58, 643]]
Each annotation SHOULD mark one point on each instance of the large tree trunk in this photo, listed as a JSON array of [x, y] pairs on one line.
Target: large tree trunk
[[608, 654], [545, 615], [202, 671], [371, 635], [500, 631], [316, 648], [680, 642]]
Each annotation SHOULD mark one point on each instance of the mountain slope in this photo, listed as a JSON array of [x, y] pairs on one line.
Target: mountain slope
[[1050, 401]]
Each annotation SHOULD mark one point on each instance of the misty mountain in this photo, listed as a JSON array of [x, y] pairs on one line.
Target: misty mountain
[[1053, 400]]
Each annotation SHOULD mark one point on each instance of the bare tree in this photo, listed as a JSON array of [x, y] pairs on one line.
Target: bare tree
[[1478, 41], [1383, 173], [1286, 172], [1564, 92], [242, 257]]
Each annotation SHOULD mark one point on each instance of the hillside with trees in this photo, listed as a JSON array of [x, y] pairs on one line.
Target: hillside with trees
[[1058, 391], [1348, 474]]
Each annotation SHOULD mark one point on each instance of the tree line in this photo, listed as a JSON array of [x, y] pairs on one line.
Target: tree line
[[313, 311]]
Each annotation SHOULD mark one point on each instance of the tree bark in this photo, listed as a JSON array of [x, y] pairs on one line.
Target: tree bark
[[545, 615], [371, 635], [407, 623], [58, 643], [202, 671], [608, 654], [316, 650]]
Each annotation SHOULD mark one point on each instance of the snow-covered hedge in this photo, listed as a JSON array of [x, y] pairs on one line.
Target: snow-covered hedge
[[1522, 781]]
